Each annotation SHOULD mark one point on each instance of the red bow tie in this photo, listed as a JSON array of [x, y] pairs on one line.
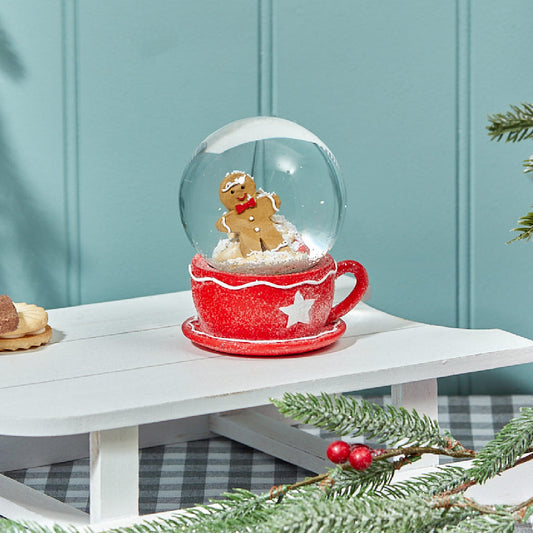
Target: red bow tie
[[243, 207]]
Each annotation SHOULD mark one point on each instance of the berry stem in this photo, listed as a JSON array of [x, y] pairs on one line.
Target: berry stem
[[409, 451], [420, 450]]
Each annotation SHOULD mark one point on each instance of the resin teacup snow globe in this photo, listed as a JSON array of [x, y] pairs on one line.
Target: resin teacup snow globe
[[262, 202]]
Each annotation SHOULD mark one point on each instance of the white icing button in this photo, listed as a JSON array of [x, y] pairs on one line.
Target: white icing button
[[251, 218], [256, 230]]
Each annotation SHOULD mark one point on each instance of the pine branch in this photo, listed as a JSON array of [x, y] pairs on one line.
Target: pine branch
[[524, 228], [524, 511], [484, 524], [444, 480], [371, 514], [528, 165], [516, 125], [348, 482], [236, 507], [344, 415], [11, 526], [505, 449]]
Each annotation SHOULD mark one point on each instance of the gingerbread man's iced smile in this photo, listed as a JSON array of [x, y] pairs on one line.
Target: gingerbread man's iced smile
[[248, 215]]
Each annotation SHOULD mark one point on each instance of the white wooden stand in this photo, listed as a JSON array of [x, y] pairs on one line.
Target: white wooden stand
[[114, 367], [266, 434], [114, 485], [421, 396]]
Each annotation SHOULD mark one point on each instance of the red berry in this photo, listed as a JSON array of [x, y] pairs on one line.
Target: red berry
[[338, 451], [360, 457]]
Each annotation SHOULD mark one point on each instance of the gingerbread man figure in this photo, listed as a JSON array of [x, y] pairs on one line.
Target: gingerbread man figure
[[248, 215]]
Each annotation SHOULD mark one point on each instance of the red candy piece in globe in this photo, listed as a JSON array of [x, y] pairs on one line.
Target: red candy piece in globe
[[338, 452], [360, 457]]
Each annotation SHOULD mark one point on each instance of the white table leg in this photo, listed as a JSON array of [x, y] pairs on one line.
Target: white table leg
[[114, 490], [422, 396]]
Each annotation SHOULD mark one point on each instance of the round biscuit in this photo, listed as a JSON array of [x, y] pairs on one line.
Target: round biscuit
[[26, 342], [31, 318]]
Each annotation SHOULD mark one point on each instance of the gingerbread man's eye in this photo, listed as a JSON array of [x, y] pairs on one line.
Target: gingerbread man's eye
[[232, 192], [242, 186]]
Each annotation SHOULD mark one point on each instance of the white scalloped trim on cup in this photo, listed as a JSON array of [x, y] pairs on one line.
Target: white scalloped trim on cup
[[258, 283]]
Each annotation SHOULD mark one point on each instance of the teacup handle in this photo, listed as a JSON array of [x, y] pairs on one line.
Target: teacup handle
[[361, 276]]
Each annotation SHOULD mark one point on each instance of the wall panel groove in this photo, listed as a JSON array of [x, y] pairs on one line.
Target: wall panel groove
[[69, 10], [463, 166], [266, 58]]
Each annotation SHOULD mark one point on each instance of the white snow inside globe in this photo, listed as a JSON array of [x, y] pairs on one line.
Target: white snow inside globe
[[262, 195]]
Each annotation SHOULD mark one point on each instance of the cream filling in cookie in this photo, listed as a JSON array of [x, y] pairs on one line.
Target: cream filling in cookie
[[32, 320], [38, 332]]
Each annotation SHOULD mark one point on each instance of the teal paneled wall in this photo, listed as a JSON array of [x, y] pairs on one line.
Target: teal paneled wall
[[384, 99], [501, 282], [153, 79], [103, 102], [33, 222]]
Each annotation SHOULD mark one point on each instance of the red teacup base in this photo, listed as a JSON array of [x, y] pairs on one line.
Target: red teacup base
[[273, 347], [270, 315]]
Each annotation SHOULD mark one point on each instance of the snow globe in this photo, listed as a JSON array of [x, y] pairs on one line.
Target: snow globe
[[262, 201]]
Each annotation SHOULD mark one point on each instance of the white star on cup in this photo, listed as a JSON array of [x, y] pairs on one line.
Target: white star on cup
[[299, 310]]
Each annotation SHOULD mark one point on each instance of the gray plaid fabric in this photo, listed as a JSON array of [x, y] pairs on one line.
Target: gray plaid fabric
[[180, 475]]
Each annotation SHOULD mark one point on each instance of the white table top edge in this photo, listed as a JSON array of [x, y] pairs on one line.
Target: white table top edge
[[369, 331], [32, 427]]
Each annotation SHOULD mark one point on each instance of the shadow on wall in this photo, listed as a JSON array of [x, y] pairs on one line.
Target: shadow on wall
[[29, 248]]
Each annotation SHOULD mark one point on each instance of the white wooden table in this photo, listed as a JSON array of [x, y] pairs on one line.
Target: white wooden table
[[113, 367]]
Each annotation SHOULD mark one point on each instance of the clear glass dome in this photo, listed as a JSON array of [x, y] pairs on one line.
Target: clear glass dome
[[291, 178]]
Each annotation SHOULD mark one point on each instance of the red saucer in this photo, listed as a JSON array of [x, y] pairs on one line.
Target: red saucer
[[327, 335]]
